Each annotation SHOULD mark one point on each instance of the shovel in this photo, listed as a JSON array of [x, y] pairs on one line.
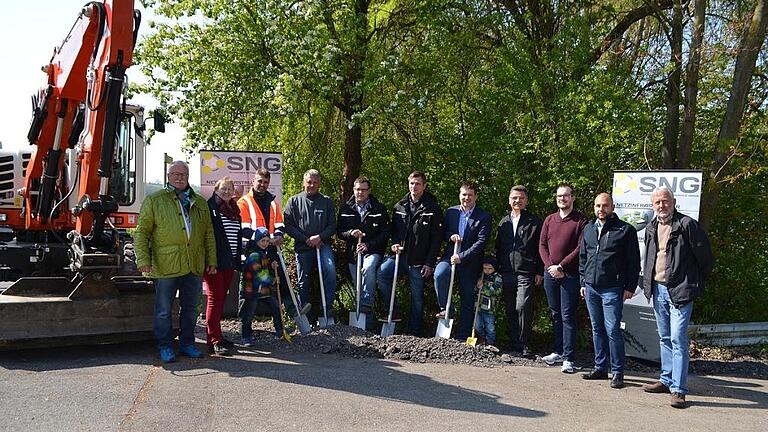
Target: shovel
[[472, 340], [388, 328], [444, 325], [300, 319], [324, 321], [286, 336], [357, 319]]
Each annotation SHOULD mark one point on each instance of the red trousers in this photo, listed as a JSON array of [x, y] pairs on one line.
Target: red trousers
[[216, 286]]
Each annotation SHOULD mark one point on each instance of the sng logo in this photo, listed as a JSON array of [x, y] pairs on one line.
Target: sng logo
[[211, 163], [623, 183], [685, 185]]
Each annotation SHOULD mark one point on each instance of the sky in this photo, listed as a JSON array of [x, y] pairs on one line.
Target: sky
[[29, 30]]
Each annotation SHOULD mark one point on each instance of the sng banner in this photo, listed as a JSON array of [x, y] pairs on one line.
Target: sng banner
[[241, 167]]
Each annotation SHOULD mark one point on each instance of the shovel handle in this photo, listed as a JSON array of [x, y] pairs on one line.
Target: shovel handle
[[450, 285], [394, 286], [322, 285]]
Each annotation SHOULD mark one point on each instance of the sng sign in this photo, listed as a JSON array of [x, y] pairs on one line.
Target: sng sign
[[254, 162], [240, 166], [686, 185]]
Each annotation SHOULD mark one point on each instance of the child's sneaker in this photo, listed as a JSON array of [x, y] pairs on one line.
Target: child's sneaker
[[567, 367]]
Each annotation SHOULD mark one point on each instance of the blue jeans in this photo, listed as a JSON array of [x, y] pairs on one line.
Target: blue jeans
[[249, 307], [189, 288], [369, 273], [467, 279], [306, 261], [672, 324], [605, 307], [563, 300], [486, 326], [415, 282]]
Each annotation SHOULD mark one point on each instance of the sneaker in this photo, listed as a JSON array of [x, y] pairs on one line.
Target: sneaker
[[167, 355], [657, 387], [248, 342], [221, 350], [567, 367], [552, 359], [190, 351], [678, 400]]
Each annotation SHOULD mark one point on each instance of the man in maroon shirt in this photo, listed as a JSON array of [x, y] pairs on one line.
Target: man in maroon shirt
[[559, 250]]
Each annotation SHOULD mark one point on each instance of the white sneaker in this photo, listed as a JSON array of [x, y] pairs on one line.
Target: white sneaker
[[552, 358], [567, 367]]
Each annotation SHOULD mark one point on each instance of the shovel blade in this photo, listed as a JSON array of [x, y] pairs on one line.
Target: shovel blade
[[287, 337], [303, 323], [357, 320], [324, 322], [444, 328], [387, 329], [471, 341]]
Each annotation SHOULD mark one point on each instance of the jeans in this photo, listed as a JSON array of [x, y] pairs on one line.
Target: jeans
[[416, 284], [306, 261], [563, 300], [518, 303], [486, 326], [467, 279], [249, 307], [188, 287], [369, 273], [672, 324], [605, 307], [216, 287]]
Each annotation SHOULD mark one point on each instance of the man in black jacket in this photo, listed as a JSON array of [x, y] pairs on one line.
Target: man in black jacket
[[364, 224], [517, 251], [609, 268], [417, 229], [678, 259]]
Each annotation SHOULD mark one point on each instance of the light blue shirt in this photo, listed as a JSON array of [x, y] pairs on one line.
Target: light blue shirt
[[464, 220], [361, 209]]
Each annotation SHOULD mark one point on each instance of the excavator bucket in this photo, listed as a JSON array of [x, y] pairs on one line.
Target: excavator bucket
[[55, 311]]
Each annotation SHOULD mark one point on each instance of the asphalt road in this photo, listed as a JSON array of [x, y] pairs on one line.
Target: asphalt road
[[124, 388]]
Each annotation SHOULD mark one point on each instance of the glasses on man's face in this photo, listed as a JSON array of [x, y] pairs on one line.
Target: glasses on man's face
[[178, 175]]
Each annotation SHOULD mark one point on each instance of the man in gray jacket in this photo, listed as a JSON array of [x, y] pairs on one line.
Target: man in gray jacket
[[310, 218], [678, 259]]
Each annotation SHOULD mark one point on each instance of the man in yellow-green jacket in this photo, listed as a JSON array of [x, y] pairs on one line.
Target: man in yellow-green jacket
[[174, 244]]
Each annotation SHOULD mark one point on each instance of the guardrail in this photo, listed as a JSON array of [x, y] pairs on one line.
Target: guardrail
[[736, 334]]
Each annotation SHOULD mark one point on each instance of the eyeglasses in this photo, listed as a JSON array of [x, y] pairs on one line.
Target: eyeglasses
[[178, 175], [563, 195]]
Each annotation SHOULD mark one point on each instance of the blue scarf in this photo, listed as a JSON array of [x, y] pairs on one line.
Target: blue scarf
[[184, 196]]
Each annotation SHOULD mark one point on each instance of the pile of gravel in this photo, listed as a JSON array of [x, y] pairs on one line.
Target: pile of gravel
[[353, 342]]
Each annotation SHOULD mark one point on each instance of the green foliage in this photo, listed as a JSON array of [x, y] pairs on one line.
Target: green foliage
[[463, 90]]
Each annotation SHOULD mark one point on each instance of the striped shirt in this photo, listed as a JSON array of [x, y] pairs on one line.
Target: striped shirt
[[232, 230]]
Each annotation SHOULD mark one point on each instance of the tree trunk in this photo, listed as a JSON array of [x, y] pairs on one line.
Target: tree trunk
[[672, 95], [692, 86], [749, 47]]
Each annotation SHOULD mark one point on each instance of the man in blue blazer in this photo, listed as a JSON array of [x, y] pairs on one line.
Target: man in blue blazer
[[471, 226]]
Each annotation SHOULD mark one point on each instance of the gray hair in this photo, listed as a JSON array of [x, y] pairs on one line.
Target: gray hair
[[312, 173], [664, 190], [178, 162]]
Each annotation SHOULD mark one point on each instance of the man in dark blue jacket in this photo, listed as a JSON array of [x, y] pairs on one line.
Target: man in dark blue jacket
[[470, 226], [678, 260], [609, 268], [364, 224]]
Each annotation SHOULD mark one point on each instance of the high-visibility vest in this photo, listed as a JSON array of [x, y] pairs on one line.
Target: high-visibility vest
[[252, 216]]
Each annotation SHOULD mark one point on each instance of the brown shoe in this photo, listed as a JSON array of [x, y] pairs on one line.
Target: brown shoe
[[678, 400], [657, 387]]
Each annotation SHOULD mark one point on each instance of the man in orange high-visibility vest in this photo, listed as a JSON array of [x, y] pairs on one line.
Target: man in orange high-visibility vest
[[259, 208]]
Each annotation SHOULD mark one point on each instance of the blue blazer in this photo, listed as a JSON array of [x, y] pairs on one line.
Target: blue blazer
[[476, 235]]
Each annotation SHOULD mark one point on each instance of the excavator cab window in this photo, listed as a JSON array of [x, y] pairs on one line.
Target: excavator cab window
[[122, 184]]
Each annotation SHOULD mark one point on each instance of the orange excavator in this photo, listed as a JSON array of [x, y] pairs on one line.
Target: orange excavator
[[63, 232]]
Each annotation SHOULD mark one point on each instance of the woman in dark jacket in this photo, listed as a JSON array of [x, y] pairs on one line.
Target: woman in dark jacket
[[225, 216]]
